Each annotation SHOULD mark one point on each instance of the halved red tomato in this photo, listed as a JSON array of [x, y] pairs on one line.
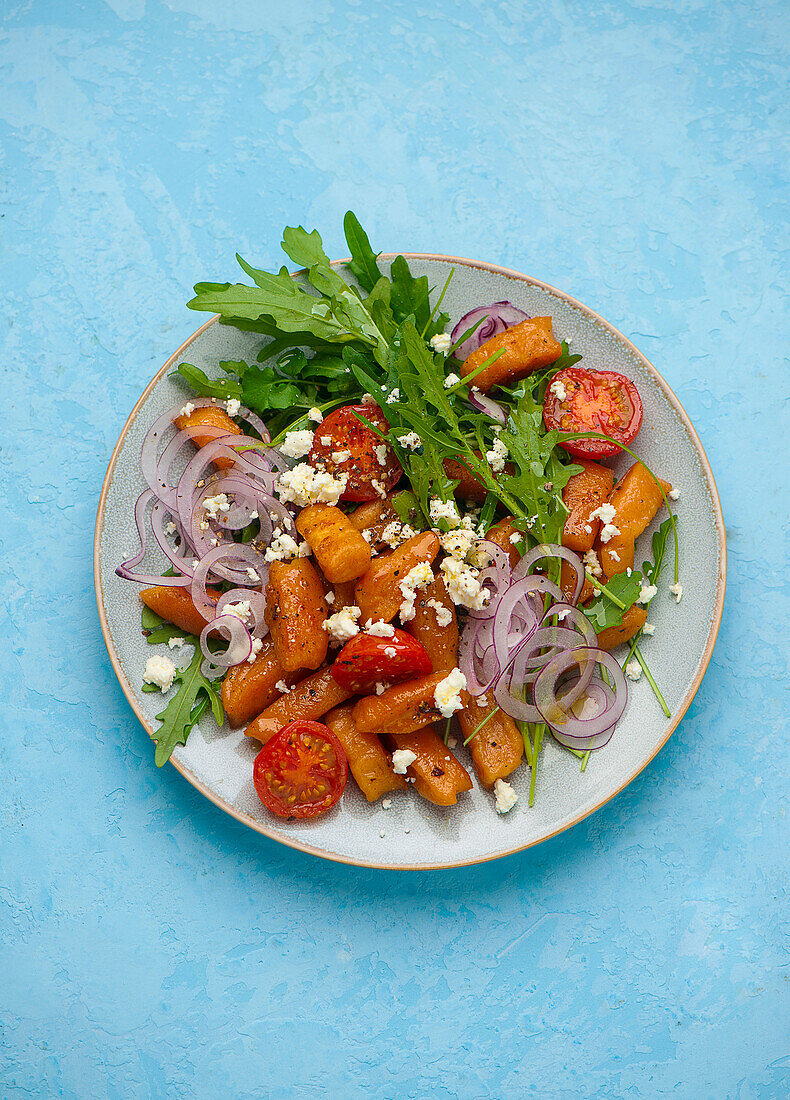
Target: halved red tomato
[[344, 445], [579, 400], [367, 660], [301, 771]]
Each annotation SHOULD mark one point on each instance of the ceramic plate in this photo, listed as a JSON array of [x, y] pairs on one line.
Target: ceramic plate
[[412, 833]]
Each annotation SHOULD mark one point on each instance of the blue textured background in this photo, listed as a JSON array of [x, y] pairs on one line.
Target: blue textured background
[[149, 945]]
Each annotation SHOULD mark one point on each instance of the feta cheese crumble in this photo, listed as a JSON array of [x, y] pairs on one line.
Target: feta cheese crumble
[[393, 397], [284, 548], [170, 528], [496, 456], [381, 454], [233, 407], [315, 415], [648, 629], [379, 629], [160, 671], [558, 389], [646, 593], [401, 759], [410, 442], [458, 543], [303, 485], [342, 626], [254, 575], [187, 410], [418, 577], [212, 506], [257, 646], [677, 592], [447, 694], [505, 797], [633, 669], [450, 381], [444, 509], [175, 642], [241, 610], [442, 342], [282, 687], [592, 563], [297, 444], [444, 615], [673, 494], [463, 587]]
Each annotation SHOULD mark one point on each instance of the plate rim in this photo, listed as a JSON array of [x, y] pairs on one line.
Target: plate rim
[[335, 857]]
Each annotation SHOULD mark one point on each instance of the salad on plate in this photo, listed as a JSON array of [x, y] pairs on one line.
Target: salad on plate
[[396, 548]]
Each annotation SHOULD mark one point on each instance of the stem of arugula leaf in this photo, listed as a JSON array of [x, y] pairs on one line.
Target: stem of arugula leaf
[[523, 728], [435, 309], [651, 681], [473, 374], [539, 732], [601, 591], [487, 718], [447, 731]]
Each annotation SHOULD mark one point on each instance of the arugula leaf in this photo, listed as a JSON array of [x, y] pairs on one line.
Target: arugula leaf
[[179, 717], [603, 612], [652, 569], [263, 390], [362, 264], [208, 387]]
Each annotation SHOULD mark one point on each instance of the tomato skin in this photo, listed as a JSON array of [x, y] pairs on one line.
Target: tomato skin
[[363, 662], [362, 467], [303, 756], [597, 401]]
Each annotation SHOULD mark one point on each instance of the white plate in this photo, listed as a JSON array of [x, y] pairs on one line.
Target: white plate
[[412, 833]]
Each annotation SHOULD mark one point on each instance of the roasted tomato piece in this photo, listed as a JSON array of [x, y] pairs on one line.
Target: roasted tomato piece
[[344, 445], [302, 771], [366, 661], [580, 400]]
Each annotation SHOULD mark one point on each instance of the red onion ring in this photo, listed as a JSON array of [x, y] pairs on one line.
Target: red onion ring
[[233, 630], [126, 569], [487, 405], [497, 317], [549, 550], [257, 601], [555, 710]]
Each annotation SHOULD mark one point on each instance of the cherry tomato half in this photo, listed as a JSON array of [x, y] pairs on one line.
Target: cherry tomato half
[[594, 401], [367, 660], [301, 771], [356, 445]]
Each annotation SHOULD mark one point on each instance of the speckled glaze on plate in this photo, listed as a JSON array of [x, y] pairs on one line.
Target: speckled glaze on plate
[[412, 834]]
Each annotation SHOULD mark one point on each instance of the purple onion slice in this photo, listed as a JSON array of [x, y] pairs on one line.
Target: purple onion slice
[[556, 709], [496, 318]]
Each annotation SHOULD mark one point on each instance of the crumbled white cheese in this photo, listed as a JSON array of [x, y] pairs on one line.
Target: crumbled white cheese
[[482, 700], [241, 610], [677, 592], [233, 407], [648, 629], [442, 342], [170, 528], [212, 506], [342, 626], [592, 563], [379, 629], [330, 597], [282, 687], [418, 577], [326, 440], [558, 389], [505, 797], [646, 593], [303, 485], [516, 537], [458, 543], [496, 456], [463, 587], [390, 651], [447, 694], [613, 554], [340, 456], [257, 646], [297, 444], [315, 415], [160, 671], [380, 688], [633, 669], [401, 759], [608, 532], [444, 615], [386, 803], [450, 381], [673, 494], [392, 533], [381, 454], [187, 410], [393, 397], [285, 548], [410, 441], [175, 642], [254, 575], [605, 513], [444, 509]]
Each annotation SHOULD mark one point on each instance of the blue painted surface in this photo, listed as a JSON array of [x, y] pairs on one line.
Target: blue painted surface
[[149, 945]]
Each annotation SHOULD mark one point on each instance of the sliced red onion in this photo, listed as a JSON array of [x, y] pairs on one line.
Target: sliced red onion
[[244, 556], [126, 569], [555, 708], [256, 625], [496, 318], [233, 630], [487, 405], [549, 550]]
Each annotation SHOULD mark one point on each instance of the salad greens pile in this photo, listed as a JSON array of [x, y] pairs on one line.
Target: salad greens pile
[[332, 342]]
